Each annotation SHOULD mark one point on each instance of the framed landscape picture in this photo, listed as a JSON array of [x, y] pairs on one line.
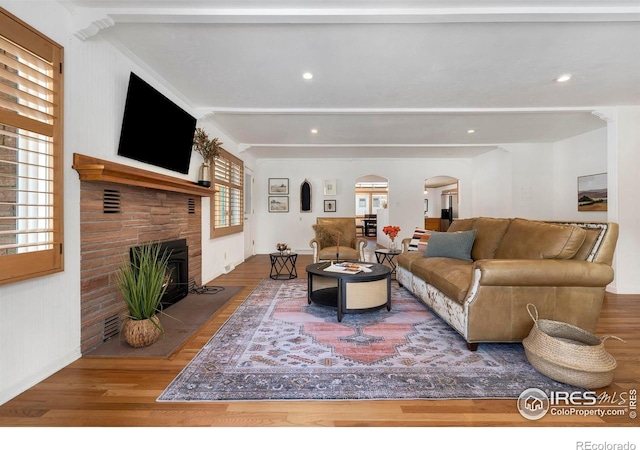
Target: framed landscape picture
[[278, 204], [592, 192], [278, 186]]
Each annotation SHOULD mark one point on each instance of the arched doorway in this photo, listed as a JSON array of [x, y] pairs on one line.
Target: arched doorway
[[440, 202], [372, 196]]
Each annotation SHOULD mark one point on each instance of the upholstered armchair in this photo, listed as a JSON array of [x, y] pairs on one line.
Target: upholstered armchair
[[326, 245]]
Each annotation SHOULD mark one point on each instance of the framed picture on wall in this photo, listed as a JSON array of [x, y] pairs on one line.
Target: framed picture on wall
[[331, 187], [278, 204], [329, 206], [592, 192], [278, 186]]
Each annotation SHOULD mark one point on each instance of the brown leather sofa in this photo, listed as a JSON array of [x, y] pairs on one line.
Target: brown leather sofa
[[562, 268]]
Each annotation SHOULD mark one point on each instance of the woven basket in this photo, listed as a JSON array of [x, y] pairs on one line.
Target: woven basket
[[568, 354], [141, 333]]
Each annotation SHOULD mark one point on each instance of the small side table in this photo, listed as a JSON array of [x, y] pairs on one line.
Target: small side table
[[283, 266], [385, 255]]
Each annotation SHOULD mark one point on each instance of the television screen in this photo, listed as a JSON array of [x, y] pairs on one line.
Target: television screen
[[154, 129]]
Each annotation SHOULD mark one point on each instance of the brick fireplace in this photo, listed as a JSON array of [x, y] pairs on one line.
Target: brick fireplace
[[114, 217]]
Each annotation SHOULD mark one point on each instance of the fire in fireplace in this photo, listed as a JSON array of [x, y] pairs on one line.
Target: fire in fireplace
[[178, 265]]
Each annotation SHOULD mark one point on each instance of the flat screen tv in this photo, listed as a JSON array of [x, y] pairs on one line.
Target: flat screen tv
[[154, 129]]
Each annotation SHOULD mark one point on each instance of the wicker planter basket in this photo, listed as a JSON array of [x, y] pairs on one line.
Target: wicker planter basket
[[141, 333], [568, 354]]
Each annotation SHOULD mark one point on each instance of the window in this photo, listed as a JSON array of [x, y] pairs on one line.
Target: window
[[370, 197], [30, 152], [227, 206]]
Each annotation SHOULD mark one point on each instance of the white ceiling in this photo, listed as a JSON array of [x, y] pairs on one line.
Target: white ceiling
[[391, 78]]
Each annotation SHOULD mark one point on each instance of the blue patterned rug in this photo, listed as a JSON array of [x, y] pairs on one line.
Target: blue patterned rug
[[278, 347]]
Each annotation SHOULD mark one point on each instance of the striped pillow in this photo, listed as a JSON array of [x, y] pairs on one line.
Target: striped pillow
[[419, 240]]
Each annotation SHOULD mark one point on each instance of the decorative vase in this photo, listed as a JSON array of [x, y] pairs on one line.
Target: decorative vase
[[392, 244], [204, 175], [141, 333]]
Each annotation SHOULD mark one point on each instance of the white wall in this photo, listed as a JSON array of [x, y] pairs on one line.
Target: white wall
[[406, 194], [538, 181], [515, 180], [624, 156], [531, 180], [581, 155], [491, 185]]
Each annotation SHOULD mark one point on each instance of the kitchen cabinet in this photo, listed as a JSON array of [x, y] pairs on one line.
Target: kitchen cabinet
[[432, 223]]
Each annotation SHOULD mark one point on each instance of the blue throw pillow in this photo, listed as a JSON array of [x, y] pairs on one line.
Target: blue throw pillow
[[456, 245]]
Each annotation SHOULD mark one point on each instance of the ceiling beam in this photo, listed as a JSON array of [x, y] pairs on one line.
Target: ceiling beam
[[89, 21]]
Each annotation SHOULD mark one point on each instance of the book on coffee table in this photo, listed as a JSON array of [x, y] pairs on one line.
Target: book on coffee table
[[349, 267]]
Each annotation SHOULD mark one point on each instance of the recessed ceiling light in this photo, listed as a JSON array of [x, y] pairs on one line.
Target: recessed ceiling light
[[314, 131], [471, 131], [563, 78], [307, 75]]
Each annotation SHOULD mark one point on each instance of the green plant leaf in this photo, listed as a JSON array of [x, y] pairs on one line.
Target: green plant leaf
[[143, 280]]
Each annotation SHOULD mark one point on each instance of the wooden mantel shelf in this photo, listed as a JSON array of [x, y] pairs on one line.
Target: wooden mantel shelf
[[94, 169]]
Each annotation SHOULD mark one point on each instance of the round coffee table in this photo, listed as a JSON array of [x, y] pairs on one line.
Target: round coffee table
[[349, 292]]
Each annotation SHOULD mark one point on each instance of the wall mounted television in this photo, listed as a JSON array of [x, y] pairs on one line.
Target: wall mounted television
[[154, 129]]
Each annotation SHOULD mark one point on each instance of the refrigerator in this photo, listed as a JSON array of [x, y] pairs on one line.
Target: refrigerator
[[449, 205]]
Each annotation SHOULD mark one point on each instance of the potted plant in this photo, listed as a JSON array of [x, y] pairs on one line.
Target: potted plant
[[142, 281], [208, 149], [391, 231]]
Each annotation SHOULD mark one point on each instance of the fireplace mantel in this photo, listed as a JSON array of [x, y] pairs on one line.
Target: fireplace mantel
[[94, 169]]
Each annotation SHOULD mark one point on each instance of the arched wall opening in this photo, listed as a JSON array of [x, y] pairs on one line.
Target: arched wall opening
[[372, 197], [441, 201]]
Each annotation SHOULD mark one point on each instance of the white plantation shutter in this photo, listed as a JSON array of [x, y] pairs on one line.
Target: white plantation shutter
[[30, 152], [228, 175], [235, 210]]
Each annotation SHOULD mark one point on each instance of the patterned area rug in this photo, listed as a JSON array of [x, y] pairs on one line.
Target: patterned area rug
[[278, 347]]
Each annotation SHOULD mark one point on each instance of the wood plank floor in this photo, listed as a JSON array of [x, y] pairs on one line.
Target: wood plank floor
[[110, 392]]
